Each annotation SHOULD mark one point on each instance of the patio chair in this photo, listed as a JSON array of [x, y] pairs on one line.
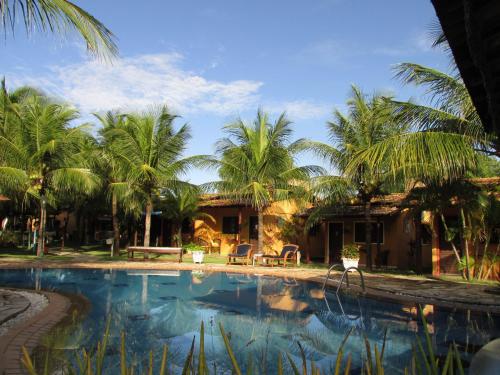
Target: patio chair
[[288, 253], [243, 255]]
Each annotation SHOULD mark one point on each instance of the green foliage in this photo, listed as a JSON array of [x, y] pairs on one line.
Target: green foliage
[[444, 134], [193, 247], [58, 16], [8, 239], [350, 251]]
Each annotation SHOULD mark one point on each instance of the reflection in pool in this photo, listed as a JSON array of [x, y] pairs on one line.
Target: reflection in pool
[[263, 315]]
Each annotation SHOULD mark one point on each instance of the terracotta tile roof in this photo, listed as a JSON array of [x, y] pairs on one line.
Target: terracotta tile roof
[[219, 200]]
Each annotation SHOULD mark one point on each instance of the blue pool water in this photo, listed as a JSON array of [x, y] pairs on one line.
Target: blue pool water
[[263, 316]]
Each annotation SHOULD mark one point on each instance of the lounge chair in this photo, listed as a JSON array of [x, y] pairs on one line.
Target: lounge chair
[[288, 253], [243, 255]]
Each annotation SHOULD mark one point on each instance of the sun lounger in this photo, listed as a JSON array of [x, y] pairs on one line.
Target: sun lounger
[[243, 255], [288, 253]]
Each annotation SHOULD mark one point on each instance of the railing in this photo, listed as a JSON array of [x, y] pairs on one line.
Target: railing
[[344, 276]]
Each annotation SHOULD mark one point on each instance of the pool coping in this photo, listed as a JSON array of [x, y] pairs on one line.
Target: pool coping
[[28, 333], [310, 275]]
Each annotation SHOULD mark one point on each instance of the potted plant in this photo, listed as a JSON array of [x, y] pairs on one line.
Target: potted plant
[[350, 256], [197, 251]]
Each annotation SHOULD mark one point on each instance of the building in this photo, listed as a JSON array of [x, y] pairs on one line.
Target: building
[[396, 230]]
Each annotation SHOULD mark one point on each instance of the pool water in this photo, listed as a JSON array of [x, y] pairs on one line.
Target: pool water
[[262, 315]]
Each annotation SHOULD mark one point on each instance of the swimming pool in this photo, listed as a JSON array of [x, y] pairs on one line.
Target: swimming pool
[[263, 316]]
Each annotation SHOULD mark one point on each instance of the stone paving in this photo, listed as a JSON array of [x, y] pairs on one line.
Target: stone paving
[[29, 332], [11, 305]]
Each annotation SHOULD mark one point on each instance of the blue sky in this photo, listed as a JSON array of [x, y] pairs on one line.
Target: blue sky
[[212, 61]]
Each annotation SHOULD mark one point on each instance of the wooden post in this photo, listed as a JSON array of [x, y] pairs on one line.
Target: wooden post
[[435, 248], [326, 236], [240, 219]]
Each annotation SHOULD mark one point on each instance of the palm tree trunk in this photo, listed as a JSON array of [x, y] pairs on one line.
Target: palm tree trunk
[[147, 229], [260, 241], [368, 234], [443, 220], [179, 235], [466, 244], [41, 229], [418, 243], [484, 257], [116, 226]]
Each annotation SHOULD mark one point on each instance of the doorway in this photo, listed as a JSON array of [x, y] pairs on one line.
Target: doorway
[[335, 241]]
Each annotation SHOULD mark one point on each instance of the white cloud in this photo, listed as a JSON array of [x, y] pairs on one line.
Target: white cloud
[[142, 81], [301, 109]]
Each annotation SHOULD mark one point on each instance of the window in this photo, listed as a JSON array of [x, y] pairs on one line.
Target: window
[[426, 235], [230, 225], [253, 227], [377, 235]]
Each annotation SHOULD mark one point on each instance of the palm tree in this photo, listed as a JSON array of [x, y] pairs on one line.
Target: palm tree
[[257, 167], [370, 120], [149, 149], [58, 16], [111, 170], [180, 204], [41, 157], [446, 136], [472, 204]]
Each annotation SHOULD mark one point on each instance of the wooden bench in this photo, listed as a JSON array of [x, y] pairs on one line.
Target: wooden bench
[[146, 250]]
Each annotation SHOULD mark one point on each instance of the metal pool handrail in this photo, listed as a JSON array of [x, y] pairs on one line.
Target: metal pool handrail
[[347, 278], [328, 274], [344, 275]]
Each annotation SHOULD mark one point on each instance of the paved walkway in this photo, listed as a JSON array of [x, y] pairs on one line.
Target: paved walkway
[[406, 289], [29, 332], [11, 305]]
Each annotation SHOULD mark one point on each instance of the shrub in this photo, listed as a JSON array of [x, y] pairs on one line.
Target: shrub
[[350, 251]]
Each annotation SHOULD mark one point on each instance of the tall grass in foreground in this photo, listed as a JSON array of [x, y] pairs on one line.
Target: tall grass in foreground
[[423, 361]]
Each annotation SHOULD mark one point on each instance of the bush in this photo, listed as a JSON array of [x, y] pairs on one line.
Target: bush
[[350, 251], [8, 239]]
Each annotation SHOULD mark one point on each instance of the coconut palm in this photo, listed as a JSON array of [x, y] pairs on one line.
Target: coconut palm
[[42, 158], [111, 170], [180, 204], [58, 16], [370, 120], [257, 167], [149, 149], [446, 135]]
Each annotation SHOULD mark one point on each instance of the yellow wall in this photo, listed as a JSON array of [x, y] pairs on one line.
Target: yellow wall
[[273, 217]]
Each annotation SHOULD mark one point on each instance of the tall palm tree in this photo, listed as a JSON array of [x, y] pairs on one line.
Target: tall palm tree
[[111, 170], [446, 136], [370, 120], [150, 149], [41, 157], [257, 167], [58, 16], [181, 203]]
